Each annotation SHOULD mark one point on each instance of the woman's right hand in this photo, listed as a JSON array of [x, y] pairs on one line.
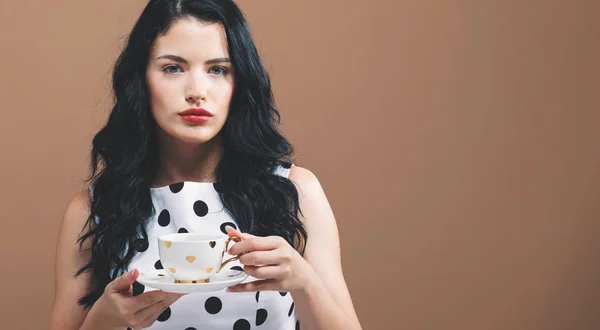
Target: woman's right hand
[[117, 308]]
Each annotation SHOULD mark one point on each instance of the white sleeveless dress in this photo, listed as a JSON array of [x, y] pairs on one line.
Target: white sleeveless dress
[[196, 207]]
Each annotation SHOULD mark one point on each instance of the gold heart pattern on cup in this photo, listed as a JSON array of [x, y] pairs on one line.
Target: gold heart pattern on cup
[[191, 259]]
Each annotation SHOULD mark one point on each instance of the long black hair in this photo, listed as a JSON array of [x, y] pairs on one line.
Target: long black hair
[[124, 153]]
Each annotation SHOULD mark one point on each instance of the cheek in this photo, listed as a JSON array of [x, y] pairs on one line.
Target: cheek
[[160, 92], [224, 94], [162, 95]]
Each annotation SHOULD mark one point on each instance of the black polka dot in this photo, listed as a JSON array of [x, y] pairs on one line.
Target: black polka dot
[[176, 187], [287, 165], [241, 324], [164, 315], [190, 328], [158, 265], [141, 245], [164, 218], [219, 187], [257, 294], [182, 230], [213, 305], [200, 208], [237, 268], [137, 288], [297, 325], [283, 293], [261, 316], [291, 310], [227, 224]]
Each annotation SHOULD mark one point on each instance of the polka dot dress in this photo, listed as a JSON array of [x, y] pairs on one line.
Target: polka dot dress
[[196, 207]]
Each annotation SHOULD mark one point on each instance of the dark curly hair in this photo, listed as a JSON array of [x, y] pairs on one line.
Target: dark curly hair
[[124, 151]]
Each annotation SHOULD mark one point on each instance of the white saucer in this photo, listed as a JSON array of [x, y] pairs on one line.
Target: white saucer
[[160, 279]]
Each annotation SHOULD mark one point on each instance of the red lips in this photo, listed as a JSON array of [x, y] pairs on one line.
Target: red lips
[[196, 112], [196, 115]]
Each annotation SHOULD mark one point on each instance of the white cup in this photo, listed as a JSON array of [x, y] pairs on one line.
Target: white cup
[[193, 257]]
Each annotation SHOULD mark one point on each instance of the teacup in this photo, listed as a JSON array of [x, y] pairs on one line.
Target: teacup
[[194, 257]]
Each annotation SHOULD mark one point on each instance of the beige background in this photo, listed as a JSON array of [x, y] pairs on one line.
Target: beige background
[[457, 142]]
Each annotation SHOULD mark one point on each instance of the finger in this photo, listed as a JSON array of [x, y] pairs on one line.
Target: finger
[[234, 232], [154, 309], [146, 299], [262, 258], [151, 319], [260, 285], [148, 315], [123, 282], [157, 309], [264, 272], [256, 244]]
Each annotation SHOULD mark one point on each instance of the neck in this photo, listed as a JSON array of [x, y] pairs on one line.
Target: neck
[[180, 161]]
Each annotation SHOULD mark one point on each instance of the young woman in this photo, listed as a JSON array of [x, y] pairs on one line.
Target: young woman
[[192, 145]]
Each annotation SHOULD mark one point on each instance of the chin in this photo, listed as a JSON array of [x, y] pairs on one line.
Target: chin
[[198, 138], [197, 135]]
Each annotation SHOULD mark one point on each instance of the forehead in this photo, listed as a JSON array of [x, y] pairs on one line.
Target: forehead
[[192, 39]]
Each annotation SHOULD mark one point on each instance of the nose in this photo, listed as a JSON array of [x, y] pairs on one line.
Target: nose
[[196, 91]]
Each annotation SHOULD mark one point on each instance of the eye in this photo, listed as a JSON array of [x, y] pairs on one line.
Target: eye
[[218, 70], [171, 69]]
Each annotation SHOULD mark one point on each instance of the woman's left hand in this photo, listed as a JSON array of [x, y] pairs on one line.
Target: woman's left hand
[[273, 261]]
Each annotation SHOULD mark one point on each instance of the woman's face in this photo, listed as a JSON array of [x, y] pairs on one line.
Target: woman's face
[[189, 70]]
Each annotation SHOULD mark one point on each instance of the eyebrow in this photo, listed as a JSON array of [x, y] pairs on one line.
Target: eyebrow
[[184, 61]]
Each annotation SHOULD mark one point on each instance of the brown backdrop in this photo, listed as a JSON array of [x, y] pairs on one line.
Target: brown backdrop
[[457, 142]]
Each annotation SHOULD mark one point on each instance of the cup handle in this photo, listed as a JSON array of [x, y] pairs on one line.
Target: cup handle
[[235, 239]]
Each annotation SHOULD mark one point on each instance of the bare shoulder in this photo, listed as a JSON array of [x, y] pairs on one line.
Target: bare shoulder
[[73, 222], [74, 218], [298, 173], [315, 207], [306, 181], [78, 205]]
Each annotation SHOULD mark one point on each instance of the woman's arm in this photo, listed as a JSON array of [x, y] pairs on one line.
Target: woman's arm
[[316, 281], [325, 303], [66, 313], [117, 308]]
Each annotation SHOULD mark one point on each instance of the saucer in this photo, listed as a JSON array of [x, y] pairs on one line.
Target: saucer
[[160, 279]]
